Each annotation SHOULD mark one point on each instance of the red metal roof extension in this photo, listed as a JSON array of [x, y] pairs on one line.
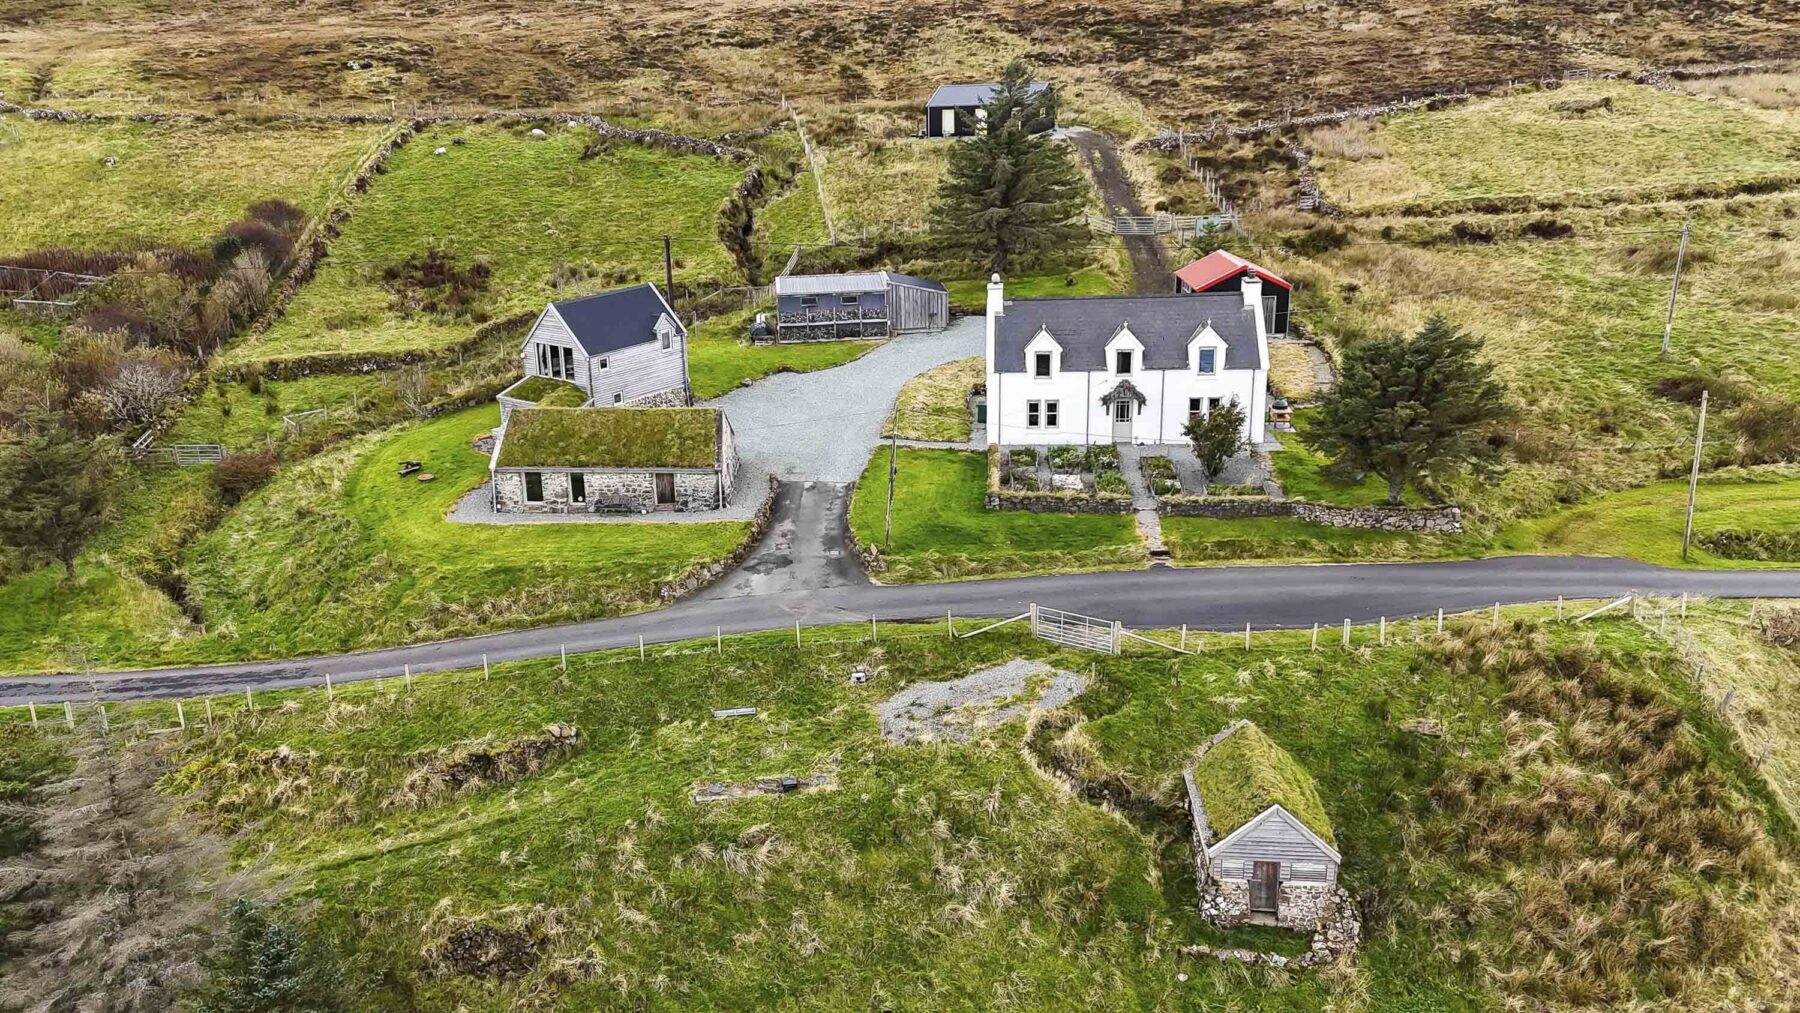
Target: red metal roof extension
[[1221, 265]]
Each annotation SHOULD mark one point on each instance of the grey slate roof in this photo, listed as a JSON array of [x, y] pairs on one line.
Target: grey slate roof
[[831, 284], [1083, 325], [618, 319], [962, 96]]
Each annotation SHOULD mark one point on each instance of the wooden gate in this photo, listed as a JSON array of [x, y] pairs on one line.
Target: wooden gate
[[1074, 630]]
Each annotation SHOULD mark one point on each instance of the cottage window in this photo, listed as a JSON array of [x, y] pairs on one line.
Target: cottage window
[[1041, 365], [668, 339], [1213, 403], [534, 487], [1122, 361], [556, 361], [1033, 414], [1051, 410], [848, 300], [577, 487], [618, 399], [807, 300], [602, 364], [1194, 408], [1209, 360]]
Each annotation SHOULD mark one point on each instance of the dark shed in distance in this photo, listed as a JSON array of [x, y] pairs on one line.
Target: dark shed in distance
[[956, 110]]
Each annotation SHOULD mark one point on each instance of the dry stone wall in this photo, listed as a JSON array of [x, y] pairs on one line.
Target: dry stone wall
[[1438, 520]]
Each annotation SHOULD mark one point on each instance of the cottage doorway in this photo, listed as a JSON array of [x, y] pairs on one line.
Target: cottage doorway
[[1121, 415], [665, 490], [948, 123], [1265, 887]]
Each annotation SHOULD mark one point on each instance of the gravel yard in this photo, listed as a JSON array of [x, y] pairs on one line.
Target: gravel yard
[[955, 711]]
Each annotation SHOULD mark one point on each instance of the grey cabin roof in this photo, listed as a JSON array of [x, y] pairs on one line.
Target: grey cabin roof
[[1165, 324], [618, 319], [965, 95], [831, 284]]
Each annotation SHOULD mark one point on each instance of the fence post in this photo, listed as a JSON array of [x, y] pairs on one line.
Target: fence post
[[1384, 631], [1346, 633], [106, 725], [1315, 639], [328, 694], [33, 708], [719, 638], [1440, 628], [1559, 608], [796, 634], [949, 626], [640, 647], [180, 714], [1684, 604], [1118, 634], [874, 637], [1496, 613], [1246, 636], [1184, 636], [484, 668], [409, 672], [1034, 614], [68, 714], [249, 701], [209, 713]]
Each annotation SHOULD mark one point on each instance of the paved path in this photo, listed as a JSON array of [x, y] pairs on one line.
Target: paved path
[[807, 546], [822, 425], [1218, 598], [1150, 270]]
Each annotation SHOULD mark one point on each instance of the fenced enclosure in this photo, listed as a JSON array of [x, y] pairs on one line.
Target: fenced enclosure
[[181, 455], [1178, 226]]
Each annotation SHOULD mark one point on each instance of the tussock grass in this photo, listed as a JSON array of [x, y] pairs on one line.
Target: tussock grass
[[935, 404]]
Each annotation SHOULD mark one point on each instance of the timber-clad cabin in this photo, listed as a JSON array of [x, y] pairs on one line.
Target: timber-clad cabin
[[960, 110], [1224, 271], [613, 460], [1263, 847], [623, 347], [870, 304]]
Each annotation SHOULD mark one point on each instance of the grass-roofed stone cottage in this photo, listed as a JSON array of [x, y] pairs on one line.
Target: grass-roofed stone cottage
[[1263, 847], [613, 460]]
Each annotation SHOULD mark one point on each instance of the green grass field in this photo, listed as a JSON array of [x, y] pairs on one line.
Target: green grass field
[[173, 184], [942, 532], [929, 875], [1649, 142], [526, 207], [1300, 470], [241, 420], [720, 358], [935, 404]]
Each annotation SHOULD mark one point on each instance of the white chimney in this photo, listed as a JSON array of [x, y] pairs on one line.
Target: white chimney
[[996, 308], [996, 304]]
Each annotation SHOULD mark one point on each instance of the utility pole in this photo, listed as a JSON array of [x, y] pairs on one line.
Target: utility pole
[[893, 470], [1675, 289], [1687, 532], [669, 269]]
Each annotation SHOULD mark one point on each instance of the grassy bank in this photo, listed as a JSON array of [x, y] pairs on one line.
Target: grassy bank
[[935, 404], [720, 357], [534, 210], [942, 531]]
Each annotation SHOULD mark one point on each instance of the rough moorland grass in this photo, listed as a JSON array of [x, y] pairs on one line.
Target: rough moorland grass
[[1521, 145], [340, 552], [793, 217], [942, 531], [927, 874], [1291, 371], [229, 413], [969, 295], [524, 205], [1246, 773], [1201, 540], [611, 438], [720, 358], [935, 404], [172, 184], [882, 186]]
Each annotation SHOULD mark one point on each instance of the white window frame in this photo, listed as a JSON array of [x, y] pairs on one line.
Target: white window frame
[[1052, 414], [1196, 407], [618, 398], [1207, 361], [1043, 365], [1034, 414], [1127, 359], [848, 300], [601, 363], [808, 301], [668, 339]]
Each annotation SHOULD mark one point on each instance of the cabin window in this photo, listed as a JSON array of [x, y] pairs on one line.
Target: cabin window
[[1213, 403], [1122, 361], [668, 339], [1034, 414], [534, 487], [577, 487], [1051, 411], [556, 361], [848, 300], [807, 300], [618, 399], [1041, 365], [602, 363], [1209, 360]]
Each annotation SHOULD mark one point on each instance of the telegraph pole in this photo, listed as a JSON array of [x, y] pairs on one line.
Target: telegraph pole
[[1687, 533], [1675, 289], [669, 269], [893, 470]]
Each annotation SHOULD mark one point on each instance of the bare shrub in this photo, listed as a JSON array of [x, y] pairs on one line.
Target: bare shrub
[[1778, 624], [145, 381], [434, 283], [279, 214], [415, 388]]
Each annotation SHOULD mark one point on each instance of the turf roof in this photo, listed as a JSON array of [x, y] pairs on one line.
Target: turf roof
[[548, 392], [1246, 773], [611, 438]]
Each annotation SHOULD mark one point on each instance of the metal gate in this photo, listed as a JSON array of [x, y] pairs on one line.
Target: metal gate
[[1074, 630]]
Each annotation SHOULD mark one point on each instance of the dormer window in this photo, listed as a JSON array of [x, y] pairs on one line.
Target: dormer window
[[1209, 360], [1040, 367], [668, 338], [1122, 362]]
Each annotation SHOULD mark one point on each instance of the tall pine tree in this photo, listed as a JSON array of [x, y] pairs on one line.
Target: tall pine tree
[[1412, 409], [1011, 195], [55, 489]]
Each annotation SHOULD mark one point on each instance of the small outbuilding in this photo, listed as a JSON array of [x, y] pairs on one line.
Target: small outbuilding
[[869, 304], [1224, 271], [1263, 847], [613, 460], [959, 110]]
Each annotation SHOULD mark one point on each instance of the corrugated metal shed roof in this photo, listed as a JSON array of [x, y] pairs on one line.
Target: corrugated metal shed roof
[[1219, 265], [1083, 325], [965, 95], [831, 284]]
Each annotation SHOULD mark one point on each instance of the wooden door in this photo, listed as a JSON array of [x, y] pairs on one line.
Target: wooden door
[[1265, 886], [1121, 415], [665, 490]]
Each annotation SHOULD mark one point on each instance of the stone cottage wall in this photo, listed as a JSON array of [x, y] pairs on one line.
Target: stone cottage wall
[[698, 490], [673, 397]]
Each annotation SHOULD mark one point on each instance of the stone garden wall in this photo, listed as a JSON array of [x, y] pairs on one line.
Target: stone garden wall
[[1441, 520], [694, 491], [704, 574]]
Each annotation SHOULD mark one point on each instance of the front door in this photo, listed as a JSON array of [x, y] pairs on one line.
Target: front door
[[1121, 413], [665, 491], [948, 123], [1265, 886]]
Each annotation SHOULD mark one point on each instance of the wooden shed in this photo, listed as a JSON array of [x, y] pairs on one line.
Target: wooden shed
[[1263, 846], [1224, 271], [957, 110], [870, 304]]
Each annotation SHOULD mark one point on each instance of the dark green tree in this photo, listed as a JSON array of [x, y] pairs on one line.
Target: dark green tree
[[56, 488], [266, 965], [1011, 195], [1217, 436], [1412, 409]]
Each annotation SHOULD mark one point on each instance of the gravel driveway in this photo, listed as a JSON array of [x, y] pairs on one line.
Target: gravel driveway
[[823, 425]]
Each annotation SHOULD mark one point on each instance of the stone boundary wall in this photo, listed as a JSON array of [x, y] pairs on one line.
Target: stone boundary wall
[[997, 498], [704, 574], [867, 555], [1441, 520], [371, 362]]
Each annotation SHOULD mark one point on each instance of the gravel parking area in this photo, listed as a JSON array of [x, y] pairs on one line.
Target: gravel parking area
[[955, 711]]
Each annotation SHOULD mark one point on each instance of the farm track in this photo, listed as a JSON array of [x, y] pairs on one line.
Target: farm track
[[1150, 268]]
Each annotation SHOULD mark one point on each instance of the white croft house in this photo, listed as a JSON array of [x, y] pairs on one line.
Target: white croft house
[[1127, 369], [620, 348]]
